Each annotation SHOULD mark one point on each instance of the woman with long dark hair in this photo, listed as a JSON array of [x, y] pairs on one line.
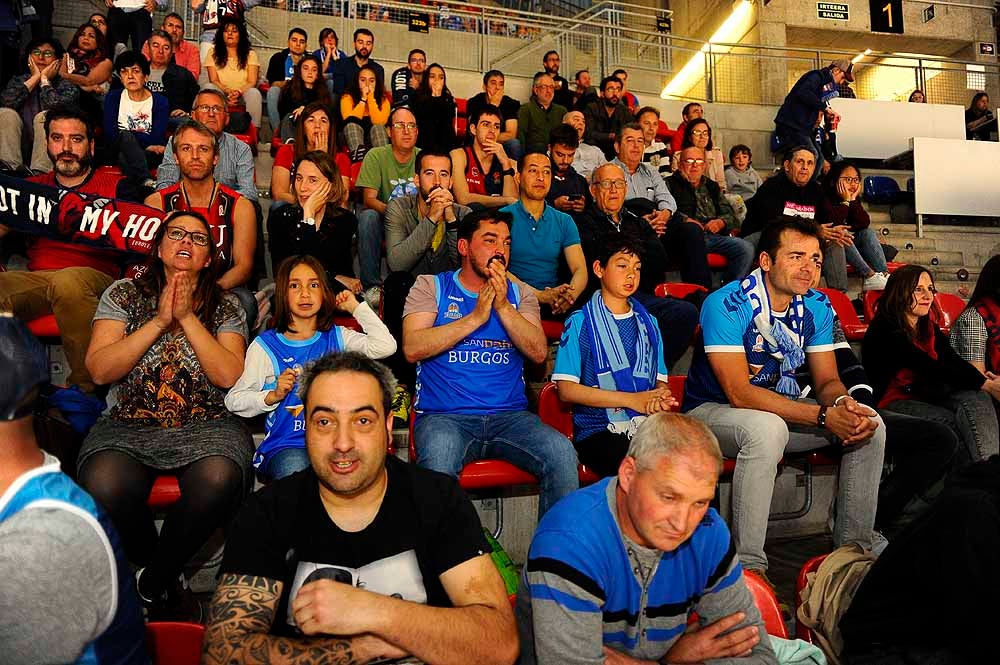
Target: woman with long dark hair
[[435, 108], [975, 335], [314, 130], [305, 87], [914, 370], [233, 66], [365, 107], [87, 61], [317, 224], [979, 121], [171, 343]]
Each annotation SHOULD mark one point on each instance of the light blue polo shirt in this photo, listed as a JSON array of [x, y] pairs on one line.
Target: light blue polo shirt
[[536, 246]]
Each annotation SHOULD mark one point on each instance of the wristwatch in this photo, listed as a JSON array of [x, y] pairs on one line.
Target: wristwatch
[[311, 221], [507, 172]]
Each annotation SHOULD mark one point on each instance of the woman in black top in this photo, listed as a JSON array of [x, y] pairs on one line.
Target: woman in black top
[[306, 86], [914, 370], [434, 106], [316, 225]]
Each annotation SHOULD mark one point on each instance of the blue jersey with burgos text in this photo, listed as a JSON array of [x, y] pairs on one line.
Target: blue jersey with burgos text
[[286, 425], [481, 374], [727, 326]]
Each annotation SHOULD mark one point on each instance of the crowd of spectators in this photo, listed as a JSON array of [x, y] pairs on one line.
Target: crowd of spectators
[[568, 209]]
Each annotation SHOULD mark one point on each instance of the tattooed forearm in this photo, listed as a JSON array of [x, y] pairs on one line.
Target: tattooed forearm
[[238, 623]]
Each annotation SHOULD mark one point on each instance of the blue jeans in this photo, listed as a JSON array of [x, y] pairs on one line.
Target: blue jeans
[[371, 231], [869, 250], [273, 93], [513, 149], [676, 320], [737, 251], [447, 442], [285, 462], [758, 440], [249, 303]]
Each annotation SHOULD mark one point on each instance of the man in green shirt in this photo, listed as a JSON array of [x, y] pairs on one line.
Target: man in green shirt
[[386, 173], [539, 115]]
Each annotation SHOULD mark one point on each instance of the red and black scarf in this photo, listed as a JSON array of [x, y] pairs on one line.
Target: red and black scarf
[[990, 311]]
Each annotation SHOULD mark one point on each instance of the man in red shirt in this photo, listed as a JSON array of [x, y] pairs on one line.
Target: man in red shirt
[[63, 278]]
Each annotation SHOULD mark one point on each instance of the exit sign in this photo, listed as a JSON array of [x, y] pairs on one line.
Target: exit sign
[[833, 11]]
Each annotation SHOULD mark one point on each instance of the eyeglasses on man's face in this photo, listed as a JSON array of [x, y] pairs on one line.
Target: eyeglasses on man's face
[[209, 108], [693, 161], [611, 184], [408, 126]]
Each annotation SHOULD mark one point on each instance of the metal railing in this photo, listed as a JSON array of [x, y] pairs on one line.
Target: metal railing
[[606, 35]]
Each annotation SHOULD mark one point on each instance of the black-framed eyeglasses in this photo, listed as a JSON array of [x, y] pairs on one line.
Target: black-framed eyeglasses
[[178, 233]]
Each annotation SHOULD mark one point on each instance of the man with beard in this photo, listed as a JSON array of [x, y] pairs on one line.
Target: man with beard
[[234, 168], [539, 115], [605, 117], [345, 68], [563, 94], [407, 543], [406, 80], [470, 332], [231, 216], [419, 240], [63, 278], [570, 191]]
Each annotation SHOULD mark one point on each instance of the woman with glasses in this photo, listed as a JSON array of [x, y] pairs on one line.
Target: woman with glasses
[[849, 226], [435, 108], [314, 130], [170, 343], [698, 133], [25, 100], [233, 67], [365, 107], [914, 370]]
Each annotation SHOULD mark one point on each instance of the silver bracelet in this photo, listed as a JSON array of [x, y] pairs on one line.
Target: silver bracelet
[[836, 402]]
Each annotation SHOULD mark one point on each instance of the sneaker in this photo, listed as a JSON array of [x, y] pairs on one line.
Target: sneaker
[[876, 282], [373, 296], [401, 402]]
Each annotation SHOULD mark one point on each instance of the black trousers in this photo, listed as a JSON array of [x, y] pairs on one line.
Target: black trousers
[[122, 26]]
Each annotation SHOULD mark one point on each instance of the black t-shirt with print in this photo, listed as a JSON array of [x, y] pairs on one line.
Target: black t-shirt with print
[[425, 526]]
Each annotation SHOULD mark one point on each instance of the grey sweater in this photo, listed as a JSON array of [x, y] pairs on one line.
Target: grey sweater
[[408, 239]]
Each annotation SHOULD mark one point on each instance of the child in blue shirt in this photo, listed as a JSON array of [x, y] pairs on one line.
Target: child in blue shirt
[[610, 360], [304, 308]]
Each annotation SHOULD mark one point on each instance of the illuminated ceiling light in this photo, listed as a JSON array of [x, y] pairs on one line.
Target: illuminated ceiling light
[[732, 30], [860, 56]]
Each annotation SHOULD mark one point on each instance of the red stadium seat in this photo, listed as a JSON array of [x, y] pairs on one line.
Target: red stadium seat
[[869, 299], [174, 642], [677, 289], [44, 327], [553, 330], [165, 493], [717, 261], [554, 412], [767, 603], [462, 106], [348, 321], [854, 329], [951, 307], [810, 566], [355, 172]]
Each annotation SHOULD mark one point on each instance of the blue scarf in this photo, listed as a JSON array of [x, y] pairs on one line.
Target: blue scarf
[[782, 339], [611, 362]]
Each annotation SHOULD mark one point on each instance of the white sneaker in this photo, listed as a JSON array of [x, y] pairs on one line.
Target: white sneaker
[[373, 296], [876, 282]]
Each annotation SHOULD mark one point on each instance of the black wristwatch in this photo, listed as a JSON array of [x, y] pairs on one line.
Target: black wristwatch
[[821, 417], [507, 172]]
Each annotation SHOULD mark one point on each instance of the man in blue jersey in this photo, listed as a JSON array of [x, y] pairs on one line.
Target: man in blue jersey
[[470, 332], [68, 594], [756, 334], [615, 570]]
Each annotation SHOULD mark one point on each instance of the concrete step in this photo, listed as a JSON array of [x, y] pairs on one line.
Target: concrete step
[[931, 257]]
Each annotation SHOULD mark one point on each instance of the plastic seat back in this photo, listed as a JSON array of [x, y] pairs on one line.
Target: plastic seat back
[[174, 642]]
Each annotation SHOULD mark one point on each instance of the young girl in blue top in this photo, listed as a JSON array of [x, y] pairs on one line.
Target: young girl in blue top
[[304, 309]]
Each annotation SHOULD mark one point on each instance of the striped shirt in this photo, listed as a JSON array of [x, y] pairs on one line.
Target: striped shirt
[[586, 586], [234, 170]]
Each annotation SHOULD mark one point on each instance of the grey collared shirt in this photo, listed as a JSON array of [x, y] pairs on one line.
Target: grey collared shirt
[[646, 183]]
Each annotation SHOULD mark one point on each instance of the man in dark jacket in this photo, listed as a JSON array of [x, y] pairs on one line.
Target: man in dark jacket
[[700, 202], [606, 116], [796, 119], [167, 78], [676, 318], [791, 192]]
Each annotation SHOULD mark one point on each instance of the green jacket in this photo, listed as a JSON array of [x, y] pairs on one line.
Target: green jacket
[[534, 124]]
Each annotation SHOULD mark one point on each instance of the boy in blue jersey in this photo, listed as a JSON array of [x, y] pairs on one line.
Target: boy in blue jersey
[[610, 360], [755, 335], [68, 595], [615, 570], [469, 332]]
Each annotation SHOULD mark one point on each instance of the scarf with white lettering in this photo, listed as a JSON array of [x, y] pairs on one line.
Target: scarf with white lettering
[[782, 339]]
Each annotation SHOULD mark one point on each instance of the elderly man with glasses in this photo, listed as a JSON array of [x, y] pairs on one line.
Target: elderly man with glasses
[[235, 166], [700, 202], [675, 318], [540, 115]]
